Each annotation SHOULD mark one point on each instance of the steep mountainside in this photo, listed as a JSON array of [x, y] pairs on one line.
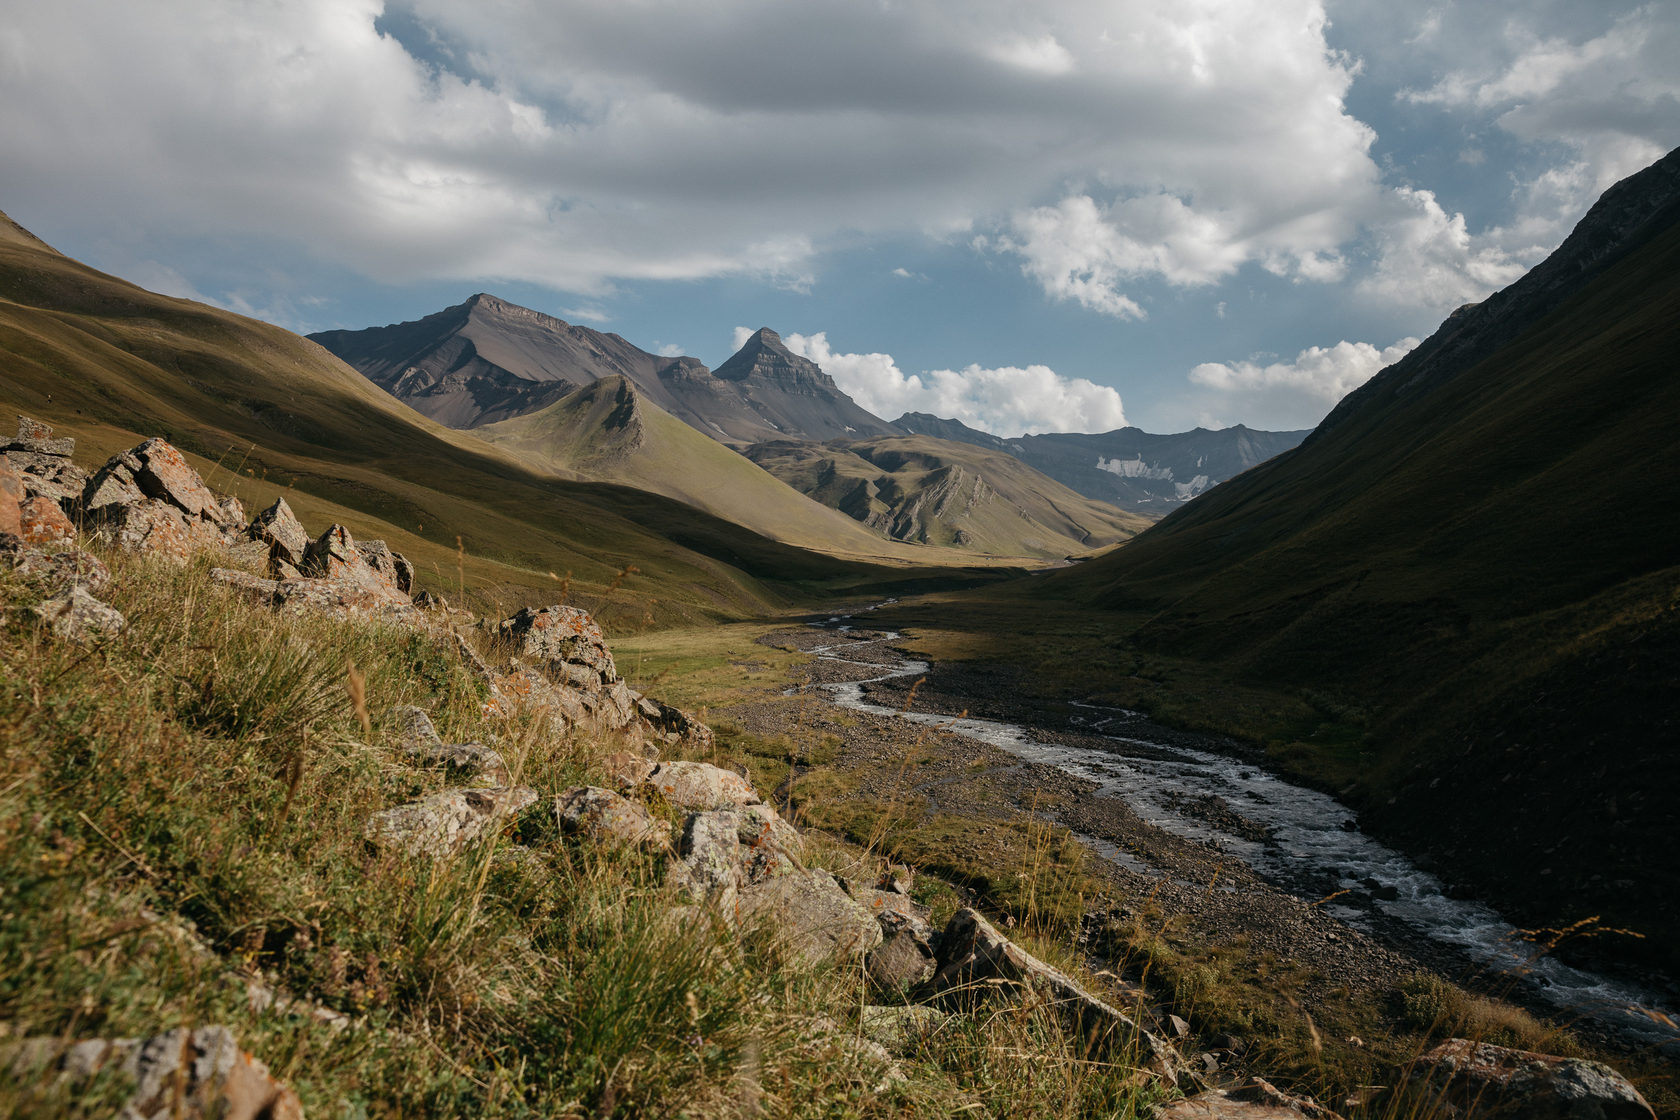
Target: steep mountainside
[[487, 359], [1131, 468], [766, 391], [607, 432], [934, 491], [1480, 549], [268, 413]]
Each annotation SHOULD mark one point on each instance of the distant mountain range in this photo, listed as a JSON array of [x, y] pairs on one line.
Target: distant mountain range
[[1127, 467], [487, 360], [1475, 561]]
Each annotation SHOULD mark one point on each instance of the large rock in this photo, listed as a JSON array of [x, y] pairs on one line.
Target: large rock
[[420, 743], [700, 785], [183, 1074], [284, 534], [12, 497], [392, 567], [972, 952], [1257, 1099], [559, 636], [727, 849], [444, 823], [79, 617], [148, 499], [45, 463], [1502, 1084], [811, 914], [605, 817], [905, 960], [673, 726], [56, 572], [42, 521]]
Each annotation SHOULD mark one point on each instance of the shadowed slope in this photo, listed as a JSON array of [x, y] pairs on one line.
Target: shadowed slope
[[1480, 548]]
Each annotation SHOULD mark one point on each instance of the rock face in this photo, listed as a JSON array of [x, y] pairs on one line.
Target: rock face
[[560, 665], [810, 913], [149, 499], [602, 816], [700, 785], [280, 529], [1498, 1083], [444, 823], [44, 464], [972, 951], [183, 1074]]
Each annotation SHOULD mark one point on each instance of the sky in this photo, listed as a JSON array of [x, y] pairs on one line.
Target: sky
[[1063, 215]]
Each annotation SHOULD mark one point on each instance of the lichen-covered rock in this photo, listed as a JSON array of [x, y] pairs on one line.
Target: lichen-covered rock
[[284, 534], [1257, 1099], [602, 816], [972, 951], [392, 567], [700, 785], [12, 497], [561, 635], [444, 823], [1503, 1084], [55, 571], [670, 725], [49, 476], [182, 1074], [726, 849], [35, 438], [148, 499], [419, 743], [163, 473], [811, 914], [627, 770], [79, 617], [42, 522]]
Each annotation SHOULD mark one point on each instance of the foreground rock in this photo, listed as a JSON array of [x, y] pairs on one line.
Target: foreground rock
[[78, 617], [183, 1074], [419, 742], [1495, 1083], [149, 499], [972, 952], [443, 824], [559, 666], [700, 785], [605, 817], [54, 571], [44, 466], [811, 914], [1258, 1099]]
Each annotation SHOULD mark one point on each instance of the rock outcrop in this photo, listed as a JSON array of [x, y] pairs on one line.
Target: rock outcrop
[[182, 1074], [1256, 1099], [445, 823], [149, 499], [1495, 1083]]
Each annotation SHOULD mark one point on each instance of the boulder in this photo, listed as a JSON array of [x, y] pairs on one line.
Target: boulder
[[183, 1074], [444, 823], [41, 521], [811, 914], [724, 850], [626, 769], [602, 816], [700, 785], [664, 723], [55, 571], [333, 555], [1499, 1083], [48, 476], [148, 499], [392, 567], [418, 741], [972, 952], [559, 635], [280, 529], [164, 474], [79, 617], [1257, 1099], [36, 438], [905, 960]]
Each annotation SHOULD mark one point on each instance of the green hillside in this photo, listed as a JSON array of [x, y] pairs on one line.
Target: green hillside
[[264, 412], [938, 491], [609, 432], [1472, 570]]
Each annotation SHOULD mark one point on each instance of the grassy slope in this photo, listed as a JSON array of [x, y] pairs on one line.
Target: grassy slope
[[111, 363], [589, 434], [1023, 512], [1481, 586]]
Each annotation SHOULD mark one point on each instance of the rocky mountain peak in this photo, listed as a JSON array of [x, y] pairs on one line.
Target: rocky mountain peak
[[764, 357]]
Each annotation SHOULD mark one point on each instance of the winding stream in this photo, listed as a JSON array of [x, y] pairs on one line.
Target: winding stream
[[1308, 842]]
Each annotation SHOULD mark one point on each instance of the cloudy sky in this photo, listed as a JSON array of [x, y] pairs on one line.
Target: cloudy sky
[[1057, 215]]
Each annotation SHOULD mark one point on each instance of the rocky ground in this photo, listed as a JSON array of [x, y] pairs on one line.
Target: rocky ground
[[1213, 897]]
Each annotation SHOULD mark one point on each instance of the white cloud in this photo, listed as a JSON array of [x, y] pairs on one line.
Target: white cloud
[[1007, 401], [575, 144], [668, 349], [1327, 373], [588, 314], [1427, 258]]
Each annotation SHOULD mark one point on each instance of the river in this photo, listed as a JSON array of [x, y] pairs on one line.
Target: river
[[1307, 842]]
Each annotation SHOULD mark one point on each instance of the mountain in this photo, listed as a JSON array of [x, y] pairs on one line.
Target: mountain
[[1127, 467], [934, 491], [487, 359], [784, 396], [609, 432], [1477, 555], [264, 413]]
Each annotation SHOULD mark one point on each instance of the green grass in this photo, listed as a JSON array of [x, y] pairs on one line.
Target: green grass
[[182, 807]]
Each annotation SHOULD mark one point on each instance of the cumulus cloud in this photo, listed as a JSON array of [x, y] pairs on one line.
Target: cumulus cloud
[[578, 145], [1328, 373], [1427, 258], [1008, 401]]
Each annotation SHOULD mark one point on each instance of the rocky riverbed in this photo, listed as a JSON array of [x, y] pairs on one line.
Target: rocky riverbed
[[1246, 859]]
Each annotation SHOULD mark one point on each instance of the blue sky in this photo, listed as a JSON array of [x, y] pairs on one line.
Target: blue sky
[[1063, 215]]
